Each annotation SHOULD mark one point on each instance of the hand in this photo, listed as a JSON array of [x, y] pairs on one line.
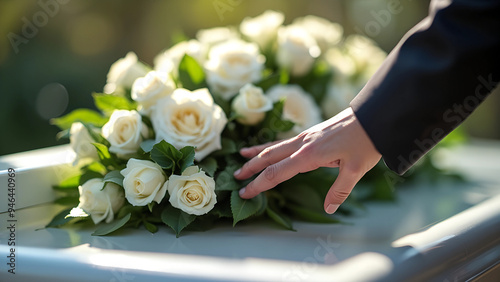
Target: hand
[[338, 142]]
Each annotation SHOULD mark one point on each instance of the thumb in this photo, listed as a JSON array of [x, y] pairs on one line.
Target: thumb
[[341, 189]]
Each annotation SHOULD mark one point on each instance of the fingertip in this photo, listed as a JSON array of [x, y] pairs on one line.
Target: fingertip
[[245, 152], [242, 193], [236, 173], [331, 208]]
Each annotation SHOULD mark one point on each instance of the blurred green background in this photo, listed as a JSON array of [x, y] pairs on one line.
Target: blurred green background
[[70, 45]]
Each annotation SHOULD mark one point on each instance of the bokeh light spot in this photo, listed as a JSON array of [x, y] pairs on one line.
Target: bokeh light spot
[[52, 101]]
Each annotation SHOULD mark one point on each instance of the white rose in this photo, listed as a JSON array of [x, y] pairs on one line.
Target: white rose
[[125, 132], [123, 73], [366, 54], [144, 182], [101, 204], [338, 97], [263, 28], [299, 107], [193, 192], [343, 65], [231, 65], [188, 118], [146, 91], [212, 36], [326, 33], [297, 50], [251, 105], [169, 60], [81, 142]]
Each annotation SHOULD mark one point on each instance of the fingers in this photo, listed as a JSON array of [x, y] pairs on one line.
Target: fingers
[[253, 151], [341, 188], [267, 156], [274, 175]]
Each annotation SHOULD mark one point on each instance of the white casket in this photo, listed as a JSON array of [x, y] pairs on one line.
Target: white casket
[[443, 231]]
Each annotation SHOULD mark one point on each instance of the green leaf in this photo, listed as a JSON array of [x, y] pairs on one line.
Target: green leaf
[[309, 215], [228, 147], [303, 196], [225, 180], [242, 208], [97, 137], [150, 227], [105, 229], [81, 115], [108, 103], [208, 165], [89, 174], [176, 219], [187, 157], [222, 209], [104, 155], [114, 177], [269, 82], [60, 219], [63, 134], [165, 155], [69, 183], [280, 218], [274, 119], [191, 74], [147, 145]]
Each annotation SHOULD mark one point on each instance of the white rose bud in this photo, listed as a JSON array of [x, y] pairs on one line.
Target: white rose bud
[[144, 182], [188, 118], [169, 60], [81, 142], [125, 131], [101, 204], [146, 91], [124, 72], [297, 50], [299, 107], [326, 33], [251, 105], [193, 192], [263, 28], [231, 65]]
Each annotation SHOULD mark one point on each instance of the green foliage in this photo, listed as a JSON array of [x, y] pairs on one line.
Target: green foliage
[[107, 228], [208, 165], [79, 115], [274, 120], [106, 158], [108, 103], [176, 219], [169, 158], [191, 74], [114, 177], [60, 219], [242, 208], [280, 218]]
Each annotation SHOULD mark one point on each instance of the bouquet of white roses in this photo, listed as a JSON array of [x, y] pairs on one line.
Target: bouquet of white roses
[[164, 145]]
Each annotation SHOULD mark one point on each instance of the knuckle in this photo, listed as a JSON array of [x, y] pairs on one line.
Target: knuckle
[[340, 195], [270, 173]]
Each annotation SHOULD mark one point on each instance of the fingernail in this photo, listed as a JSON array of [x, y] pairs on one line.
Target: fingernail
[[237, 172], [332, 208], [242, 191]]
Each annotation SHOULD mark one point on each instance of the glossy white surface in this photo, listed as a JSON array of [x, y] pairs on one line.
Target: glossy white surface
[[388, 241]]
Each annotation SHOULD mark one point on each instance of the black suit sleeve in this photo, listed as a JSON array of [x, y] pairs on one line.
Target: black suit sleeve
[[433, 79]]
